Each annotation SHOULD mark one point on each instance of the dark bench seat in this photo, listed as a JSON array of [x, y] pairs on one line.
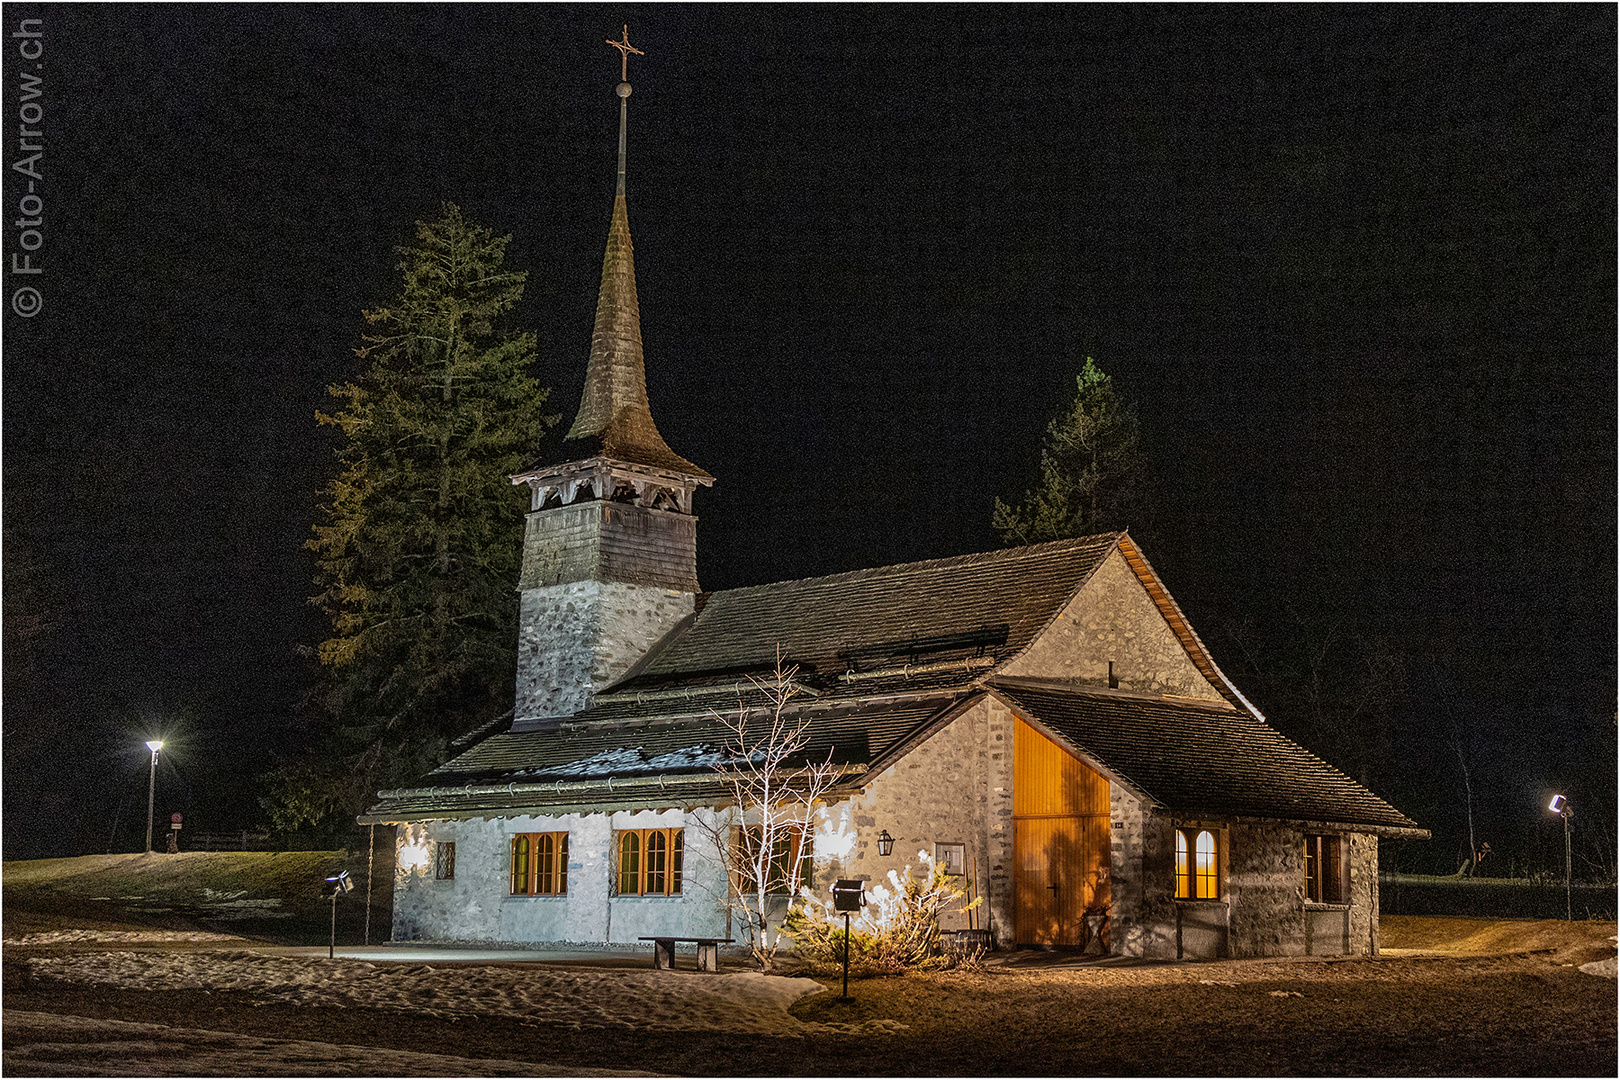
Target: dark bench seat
[[708, 951]]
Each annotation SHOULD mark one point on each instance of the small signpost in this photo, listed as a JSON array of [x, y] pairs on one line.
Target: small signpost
[[174, 834], [848, 895], [340, 885]]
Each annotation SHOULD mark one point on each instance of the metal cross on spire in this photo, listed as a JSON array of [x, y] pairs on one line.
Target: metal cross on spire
[[625, 49]]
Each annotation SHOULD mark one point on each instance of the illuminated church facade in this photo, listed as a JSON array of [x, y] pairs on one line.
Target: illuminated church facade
[[1042, 720]]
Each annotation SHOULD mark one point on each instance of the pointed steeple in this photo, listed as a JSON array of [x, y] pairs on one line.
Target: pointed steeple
[[610, 540], [614, 419]]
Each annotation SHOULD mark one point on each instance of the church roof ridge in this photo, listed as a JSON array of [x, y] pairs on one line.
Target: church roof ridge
[[948, 562]]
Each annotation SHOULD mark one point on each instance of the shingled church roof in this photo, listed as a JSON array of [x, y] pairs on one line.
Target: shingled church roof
[[906, 619], [1199, 760], [884, 658]]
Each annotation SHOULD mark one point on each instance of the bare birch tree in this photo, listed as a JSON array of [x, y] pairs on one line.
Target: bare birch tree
[[764, 842]]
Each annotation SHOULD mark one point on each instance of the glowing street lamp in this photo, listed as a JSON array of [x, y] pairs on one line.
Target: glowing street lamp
[[153, 745], [1560, 806]]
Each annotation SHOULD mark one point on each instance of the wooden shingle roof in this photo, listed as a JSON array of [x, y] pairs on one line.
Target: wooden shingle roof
[[911, 615], [1201, 760], [666, 757]]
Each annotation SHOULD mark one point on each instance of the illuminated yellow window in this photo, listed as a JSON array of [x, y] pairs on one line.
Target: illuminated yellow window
[[540, 864], [1198, 865], [790, 864], [1206, 873], [650, 862]]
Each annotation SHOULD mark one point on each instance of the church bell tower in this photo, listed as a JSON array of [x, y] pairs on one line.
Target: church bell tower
[[610, 541]]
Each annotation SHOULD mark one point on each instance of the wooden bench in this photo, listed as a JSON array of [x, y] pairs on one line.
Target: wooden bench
[[708, 951]]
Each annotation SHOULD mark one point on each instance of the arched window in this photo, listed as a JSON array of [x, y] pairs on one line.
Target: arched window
[[540, 864], [657, 861], [520, 865], [650, 862], [1205, 870], [630, 863], [545, 857], [1198, 864]]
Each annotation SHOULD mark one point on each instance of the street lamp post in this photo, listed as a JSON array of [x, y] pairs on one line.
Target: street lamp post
[[1560, 806], [153, 745]]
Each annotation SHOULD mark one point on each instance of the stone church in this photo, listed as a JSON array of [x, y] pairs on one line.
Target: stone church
[[1042, 719]]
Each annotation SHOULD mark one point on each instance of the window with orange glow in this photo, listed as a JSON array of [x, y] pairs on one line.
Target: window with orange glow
[[650, 862], [1198, 864], [539, 864]]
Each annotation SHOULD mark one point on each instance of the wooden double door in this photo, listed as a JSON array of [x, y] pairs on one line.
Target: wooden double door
[[1060, 842]]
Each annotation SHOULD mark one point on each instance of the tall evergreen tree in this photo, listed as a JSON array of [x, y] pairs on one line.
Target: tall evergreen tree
[[418, 541], [1091, 469]]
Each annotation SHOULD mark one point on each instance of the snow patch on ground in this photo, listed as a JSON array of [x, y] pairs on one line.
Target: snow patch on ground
[[117, 937], [610, 998], [1605, 968], [45, 1044]]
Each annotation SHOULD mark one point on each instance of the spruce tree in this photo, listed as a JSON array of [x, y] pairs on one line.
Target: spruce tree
[[418, 540], [1091, 469]]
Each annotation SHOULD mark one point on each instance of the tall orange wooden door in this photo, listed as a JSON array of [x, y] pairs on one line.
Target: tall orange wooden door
[[1060, 840]]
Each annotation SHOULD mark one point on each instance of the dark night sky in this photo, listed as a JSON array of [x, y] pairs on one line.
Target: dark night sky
[[1356, 264]]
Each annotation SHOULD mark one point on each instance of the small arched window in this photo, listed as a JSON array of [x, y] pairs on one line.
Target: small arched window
[[1205, 869], [629, 863], [520, 865], [1198, 864]]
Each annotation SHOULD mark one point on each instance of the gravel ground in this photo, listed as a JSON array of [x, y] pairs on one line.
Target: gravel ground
[[1434, 1010]]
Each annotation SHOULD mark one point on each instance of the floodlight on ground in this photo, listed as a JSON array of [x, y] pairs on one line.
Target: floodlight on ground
[[340, 884], [849, 894]]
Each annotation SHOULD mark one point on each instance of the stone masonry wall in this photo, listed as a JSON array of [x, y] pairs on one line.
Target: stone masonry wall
[[1363, 856], [477, 906], [576, 638], [1266, 890], [1142, 911], [1113, 618], [955, 788], [1265, 887]]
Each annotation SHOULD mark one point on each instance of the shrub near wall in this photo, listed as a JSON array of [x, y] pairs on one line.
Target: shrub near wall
[[1501, 898]]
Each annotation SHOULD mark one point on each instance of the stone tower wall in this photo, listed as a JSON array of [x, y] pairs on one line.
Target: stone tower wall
[[576, 638], [602, 582]]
